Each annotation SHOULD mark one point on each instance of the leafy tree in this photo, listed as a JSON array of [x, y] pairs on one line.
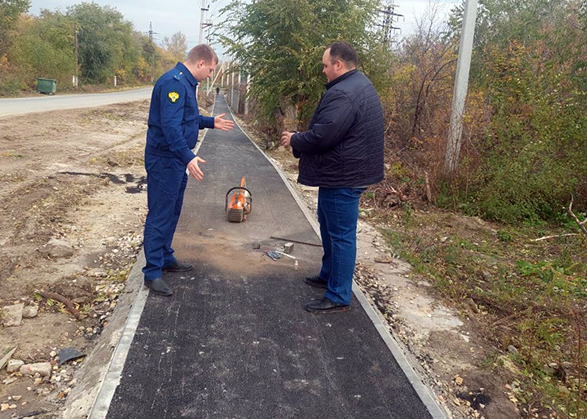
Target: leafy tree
[[176, 46], [530, 67], [44, 48], [106, 42], [280, 43], [499, 21], [142, 69], [164, 61], [10, 10], [154, 60]]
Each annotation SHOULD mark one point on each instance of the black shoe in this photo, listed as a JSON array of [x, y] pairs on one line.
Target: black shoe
[[316, 281], [178, 267], [159, 287], [324, 305]]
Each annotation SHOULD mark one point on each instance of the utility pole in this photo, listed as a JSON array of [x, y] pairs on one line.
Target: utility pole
[[203, 9], [151, 33], [217, 74], [222, 76], [389, 16], [76, 77], [453, 145], [247, 102], [231, 100], [203, 24]]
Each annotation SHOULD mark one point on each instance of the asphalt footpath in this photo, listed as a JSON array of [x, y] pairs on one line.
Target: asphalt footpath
[[234, 340]]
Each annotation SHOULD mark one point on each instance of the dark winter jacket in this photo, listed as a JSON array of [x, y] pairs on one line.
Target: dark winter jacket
[[343, 146]]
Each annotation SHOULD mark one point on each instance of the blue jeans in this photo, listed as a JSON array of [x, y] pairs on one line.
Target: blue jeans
[[338, 212], [166, 183]]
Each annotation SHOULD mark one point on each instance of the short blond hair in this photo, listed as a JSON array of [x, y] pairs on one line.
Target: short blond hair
[[202, 52]]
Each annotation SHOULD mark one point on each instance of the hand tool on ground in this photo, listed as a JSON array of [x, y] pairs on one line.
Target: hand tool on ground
[[295, 241], [284, 254], [239, 204], [274, 254]]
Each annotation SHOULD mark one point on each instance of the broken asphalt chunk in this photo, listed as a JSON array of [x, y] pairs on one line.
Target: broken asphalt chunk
[[68, 354]]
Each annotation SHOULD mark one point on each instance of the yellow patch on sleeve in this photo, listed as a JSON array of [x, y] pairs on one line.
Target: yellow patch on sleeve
[[173, 96]]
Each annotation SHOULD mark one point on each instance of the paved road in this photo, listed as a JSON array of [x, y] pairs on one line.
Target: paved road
[[234, 340], [20, 106]]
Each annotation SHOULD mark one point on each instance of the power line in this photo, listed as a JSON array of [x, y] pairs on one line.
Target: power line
[[389, 17]]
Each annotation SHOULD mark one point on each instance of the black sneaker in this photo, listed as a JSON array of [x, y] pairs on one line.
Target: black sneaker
[[324, 305], [159, 287], [178, 267], [316, 281]]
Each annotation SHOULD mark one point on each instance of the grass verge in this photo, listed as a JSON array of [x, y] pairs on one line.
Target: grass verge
[[527, 296]]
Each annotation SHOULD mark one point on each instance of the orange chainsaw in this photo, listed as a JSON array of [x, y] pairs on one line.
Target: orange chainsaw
[[239, 204]]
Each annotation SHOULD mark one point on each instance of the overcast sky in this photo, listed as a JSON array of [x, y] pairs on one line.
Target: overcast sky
[[184, 15]]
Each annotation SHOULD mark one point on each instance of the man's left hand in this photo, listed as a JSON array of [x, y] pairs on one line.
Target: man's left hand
[[286, 138], [223, 124]]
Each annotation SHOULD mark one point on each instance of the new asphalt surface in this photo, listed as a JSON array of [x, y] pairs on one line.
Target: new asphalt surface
[[234, 340]]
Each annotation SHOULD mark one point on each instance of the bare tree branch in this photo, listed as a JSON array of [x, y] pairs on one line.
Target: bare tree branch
[[54, 296], [428, 190], [581, 224], [555, 236]]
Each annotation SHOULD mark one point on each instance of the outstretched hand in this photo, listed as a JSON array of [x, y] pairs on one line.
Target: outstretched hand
[[223, 124], [194, 168]]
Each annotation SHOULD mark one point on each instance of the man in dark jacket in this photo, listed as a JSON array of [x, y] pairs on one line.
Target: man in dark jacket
[[342, 154]]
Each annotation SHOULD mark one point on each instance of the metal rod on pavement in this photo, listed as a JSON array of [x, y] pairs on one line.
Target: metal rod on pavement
[[295, 241]]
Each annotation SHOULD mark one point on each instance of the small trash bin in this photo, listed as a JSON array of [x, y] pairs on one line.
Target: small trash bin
[[47, 86]]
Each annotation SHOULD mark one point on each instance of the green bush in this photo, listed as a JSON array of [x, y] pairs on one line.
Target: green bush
[[10, 84], [532, 156]]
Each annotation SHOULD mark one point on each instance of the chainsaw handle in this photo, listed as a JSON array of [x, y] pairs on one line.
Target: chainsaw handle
[[232, 189]]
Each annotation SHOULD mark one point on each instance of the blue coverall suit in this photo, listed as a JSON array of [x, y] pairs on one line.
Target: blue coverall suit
[[174, 123]]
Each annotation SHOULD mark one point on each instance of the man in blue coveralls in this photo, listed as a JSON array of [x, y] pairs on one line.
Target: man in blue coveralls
[[174, 123]]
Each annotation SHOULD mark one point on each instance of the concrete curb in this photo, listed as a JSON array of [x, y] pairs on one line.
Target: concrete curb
[[426, 394], [92, 374], [116, 364]]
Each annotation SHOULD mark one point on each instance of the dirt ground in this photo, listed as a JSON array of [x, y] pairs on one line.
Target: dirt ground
[[72, 208]]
